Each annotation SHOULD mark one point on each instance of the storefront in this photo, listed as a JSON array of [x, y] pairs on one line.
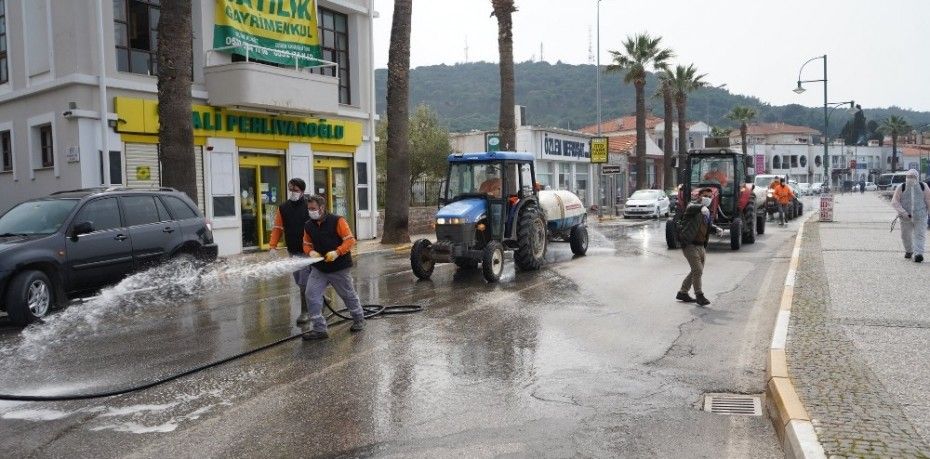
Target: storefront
[[244, 161]]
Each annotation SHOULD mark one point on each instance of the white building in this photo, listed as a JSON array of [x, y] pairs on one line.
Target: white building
[[563, 158], [77, 78], [804, 163]]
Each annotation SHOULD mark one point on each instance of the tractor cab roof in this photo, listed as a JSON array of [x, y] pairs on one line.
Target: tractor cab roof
[[712, 151], [488, 156]]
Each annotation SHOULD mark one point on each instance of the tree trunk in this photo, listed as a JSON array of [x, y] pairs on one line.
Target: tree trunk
[[397, 206], [681, 101], [507, 124], [743, 130], [640, 85], [175, 133], [668, 141]]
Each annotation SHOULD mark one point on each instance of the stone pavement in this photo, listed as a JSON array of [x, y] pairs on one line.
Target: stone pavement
[[859, 338]]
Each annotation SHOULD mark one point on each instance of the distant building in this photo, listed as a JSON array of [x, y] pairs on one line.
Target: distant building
[[776, 134]]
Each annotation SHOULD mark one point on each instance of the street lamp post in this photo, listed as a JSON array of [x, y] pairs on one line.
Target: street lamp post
[[800, 89], [600, 170]]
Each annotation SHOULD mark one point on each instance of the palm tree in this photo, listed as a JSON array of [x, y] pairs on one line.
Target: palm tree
[[894, 126], [639, 52], [684, 81], [175, 133], [668, 100], [742, 115], [503, 10], [397, 207]]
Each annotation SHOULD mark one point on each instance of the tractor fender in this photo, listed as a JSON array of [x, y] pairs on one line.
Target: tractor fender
[[745, 195]]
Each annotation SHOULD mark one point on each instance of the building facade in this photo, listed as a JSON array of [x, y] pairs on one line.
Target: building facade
[[563, 157], [78, 108]]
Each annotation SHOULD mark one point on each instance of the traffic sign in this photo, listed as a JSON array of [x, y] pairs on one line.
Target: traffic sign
[[599, 150], [609, 169]]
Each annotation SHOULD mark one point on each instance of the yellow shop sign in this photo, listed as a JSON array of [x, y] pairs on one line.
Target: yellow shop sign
[[140, 116]]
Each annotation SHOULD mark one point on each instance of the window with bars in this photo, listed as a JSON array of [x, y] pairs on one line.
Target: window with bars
[[4, 70], [6, 152], [46, 147], [135, 28], [334, 44]]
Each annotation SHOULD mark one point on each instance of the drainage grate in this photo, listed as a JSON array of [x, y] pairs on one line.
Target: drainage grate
[[733, 404]]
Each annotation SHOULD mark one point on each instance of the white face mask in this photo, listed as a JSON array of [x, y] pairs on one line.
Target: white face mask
[[910, 179], [315, 214], [705, 201], [294, 196]]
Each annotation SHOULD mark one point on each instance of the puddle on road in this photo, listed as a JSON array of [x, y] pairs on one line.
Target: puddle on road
[[173, 282]]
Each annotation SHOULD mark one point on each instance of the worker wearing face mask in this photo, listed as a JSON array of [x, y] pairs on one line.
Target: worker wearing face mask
[[328, 236], [696, 226], [912, 201], [289, 221]]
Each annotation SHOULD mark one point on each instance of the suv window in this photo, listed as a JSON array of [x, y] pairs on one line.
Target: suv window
[[102, 213], [179, 209], [140, 210]]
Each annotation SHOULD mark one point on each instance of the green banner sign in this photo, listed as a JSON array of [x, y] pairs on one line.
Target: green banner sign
[[278, 31]]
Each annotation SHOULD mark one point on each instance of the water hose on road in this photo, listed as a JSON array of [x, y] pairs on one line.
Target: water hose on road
[[371, 310]]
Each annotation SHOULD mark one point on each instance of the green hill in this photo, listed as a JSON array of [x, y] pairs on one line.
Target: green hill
[[563, 95]]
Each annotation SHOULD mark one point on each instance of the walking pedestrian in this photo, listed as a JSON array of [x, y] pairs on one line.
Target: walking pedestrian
[[783, 196], [912, 201], [329, 234], [696, 225], [289, 221]]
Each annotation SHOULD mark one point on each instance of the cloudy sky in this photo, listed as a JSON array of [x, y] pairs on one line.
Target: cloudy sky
[[878, 52]]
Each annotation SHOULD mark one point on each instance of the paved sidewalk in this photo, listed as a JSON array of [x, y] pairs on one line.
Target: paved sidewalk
[[859, 337]]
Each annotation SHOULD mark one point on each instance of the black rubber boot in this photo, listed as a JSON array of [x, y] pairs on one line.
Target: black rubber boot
[[701, 300], [357, 325], [907, 254], [683, 296], [314, 335], [304, 312], [919, 258]]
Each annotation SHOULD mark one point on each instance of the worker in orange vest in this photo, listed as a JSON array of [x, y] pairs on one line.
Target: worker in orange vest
[[783, 195]]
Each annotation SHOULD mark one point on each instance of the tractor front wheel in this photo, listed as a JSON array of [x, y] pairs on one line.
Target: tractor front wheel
[[531, 240], [736, 234], [421, 259], [492, 261], [749, 234]]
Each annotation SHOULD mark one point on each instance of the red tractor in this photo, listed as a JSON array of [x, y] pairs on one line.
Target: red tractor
[[734, 204]]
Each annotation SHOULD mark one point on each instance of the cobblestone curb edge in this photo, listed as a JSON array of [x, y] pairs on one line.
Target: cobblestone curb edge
[[790, 418]]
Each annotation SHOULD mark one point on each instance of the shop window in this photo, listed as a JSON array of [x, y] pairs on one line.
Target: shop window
[[650, 174], [6, 151], [361, 174], [334, 44], [794, 160], [776, 162], [116, 167], [222, 184], [135, 28], [581, 182], [46, 153], [4, 69], [565, 176]]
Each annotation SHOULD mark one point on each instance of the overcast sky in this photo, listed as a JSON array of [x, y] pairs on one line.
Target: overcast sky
[[878, 51]]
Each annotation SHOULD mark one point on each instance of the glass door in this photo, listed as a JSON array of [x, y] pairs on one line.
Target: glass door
[[261, 183], [332, 178]]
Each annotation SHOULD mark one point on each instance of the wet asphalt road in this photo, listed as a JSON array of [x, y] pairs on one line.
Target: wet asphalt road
[[590, 356]]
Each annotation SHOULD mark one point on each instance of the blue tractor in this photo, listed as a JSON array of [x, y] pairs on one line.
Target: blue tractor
[[491, 205]]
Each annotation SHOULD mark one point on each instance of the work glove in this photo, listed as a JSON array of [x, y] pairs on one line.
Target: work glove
[[314, 254], [332, 256]]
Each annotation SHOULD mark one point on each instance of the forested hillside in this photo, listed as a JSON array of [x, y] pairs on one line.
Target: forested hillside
[[562, 95]]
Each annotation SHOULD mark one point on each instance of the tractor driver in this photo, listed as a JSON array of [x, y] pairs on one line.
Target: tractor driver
[[717, 174], [491, 187]]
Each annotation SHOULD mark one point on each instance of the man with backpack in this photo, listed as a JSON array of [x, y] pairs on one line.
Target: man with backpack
[[912, 201], [696, 225]]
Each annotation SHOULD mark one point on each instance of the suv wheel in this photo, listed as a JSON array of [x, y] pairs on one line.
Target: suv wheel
[[29, 298]]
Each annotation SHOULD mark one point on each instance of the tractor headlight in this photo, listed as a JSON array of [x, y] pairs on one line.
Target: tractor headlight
[[450, 221], [770, 193]]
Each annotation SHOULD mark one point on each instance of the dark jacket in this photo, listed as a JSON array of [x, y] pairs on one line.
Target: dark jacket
[[695, 229]]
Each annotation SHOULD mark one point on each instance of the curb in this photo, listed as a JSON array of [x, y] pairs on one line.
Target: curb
[[790, 418]]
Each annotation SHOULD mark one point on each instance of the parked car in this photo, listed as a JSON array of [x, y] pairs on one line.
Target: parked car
[[78, 241], [816, 188], [804, 188], [871, 186], [889, 181], [796, 207], [647, 203]]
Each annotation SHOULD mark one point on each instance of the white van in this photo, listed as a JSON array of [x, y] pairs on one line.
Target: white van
[[889, 181]]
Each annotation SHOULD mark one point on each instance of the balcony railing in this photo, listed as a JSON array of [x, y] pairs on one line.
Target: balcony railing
[[255, 84]]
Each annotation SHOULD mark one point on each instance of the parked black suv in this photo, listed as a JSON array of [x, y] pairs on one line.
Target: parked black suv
[[78, 241]]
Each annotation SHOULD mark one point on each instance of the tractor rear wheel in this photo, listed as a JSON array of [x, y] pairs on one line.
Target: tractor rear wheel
[[579, 239], [749, 232], [421, 259], [736, 234], [492, 261], [531, 240], [760, 223], [671, 234]]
